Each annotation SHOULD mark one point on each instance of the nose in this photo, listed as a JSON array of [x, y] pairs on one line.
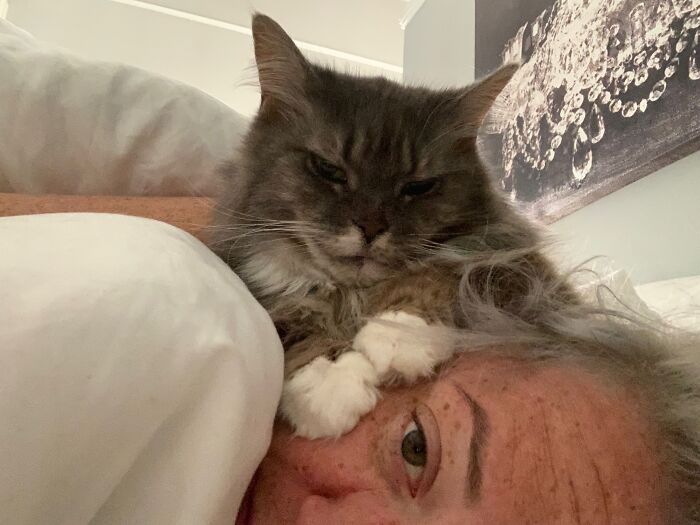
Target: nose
[[371, 227]]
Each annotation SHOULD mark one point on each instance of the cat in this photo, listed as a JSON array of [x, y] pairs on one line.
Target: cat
[[349, 212]]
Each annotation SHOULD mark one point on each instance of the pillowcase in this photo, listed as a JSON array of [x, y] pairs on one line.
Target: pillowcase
[[73, 126], [676, 300], [139, 379]]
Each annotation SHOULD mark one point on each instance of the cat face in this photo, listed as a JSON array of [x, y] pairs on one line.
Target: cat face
[[360, 177]]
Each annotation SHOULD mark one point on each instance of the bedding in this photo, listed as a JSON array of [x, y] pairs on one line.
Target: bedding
[[163, 416], [139, 379], [73, 126], [675, 300]]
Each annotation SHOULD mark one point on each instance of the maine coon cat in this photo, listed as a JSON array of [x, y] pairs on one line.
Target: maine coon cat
[[349, 212]]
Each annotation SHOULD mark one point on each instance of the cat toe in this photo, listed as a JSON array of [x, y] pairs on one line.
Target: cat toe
[[399, 349], [327, 398]]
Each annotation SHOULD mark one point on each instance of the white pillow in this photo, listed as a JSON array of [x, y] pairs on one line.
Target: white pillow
[[72, 126], [676, 300], [139, 379]]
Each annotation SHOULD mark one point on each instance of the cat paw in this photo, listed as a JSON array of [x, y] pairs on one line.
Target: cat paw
[[397, 347], [327, 398]]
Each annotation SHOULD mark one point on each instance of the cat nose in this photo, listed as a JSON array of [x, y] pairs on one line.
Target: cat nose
[[371, 228]]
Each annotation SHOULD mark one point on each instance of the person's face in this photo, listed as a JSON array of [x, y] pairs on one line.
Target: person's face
[[488, 441]]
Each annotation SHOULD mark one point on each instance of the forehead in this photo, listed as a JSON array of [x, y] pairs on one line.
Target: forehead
[[562, 442], [373, 116], [526, 379]]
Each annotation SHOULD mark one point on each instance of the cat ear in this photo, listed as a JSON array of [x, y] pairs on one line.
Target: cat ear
[[282, 68], [479, 98]]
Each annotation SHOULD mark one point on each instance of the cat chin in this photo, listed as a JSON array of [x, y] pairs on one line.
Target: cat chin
[[361, 274], [350, 271]]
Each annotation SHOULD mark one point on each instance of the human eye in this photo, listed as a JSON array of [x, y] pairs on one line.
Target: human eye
[[420, 451], [414, 450]]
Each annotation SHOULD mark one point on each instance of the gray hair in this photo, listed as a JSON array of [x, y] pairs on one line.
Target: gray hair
[[660, 362]]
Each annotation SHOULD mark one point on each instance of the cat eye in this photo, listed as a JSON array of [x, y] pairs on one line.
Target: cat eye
[[322, 168], [419, 187]]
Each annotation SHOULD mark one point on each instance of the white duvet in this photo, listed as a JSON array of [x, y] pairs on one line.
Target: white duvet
[[138, 378]]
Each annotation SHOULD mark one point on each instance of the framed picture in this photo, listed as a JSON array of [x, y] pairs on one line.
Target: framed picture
[[608, 92]]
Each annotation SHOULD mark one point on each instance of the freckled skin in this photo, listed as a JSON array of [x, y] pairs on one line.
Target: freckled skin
[[563, 448]]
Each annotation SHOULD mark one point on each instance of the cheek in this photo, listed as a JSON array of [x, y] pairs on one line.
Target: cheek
[[431, 214], [327, 467], [358, 508], [325, 206], [311, 199]]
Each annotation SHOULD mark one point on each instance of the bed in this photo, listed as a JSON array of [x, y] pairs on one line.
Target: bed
[[105, 137]]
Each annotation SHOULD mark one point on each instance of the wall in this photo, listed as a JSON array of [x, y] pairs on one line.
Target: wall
[[366, 28], [651, 227], [439, 44], [211, 48]]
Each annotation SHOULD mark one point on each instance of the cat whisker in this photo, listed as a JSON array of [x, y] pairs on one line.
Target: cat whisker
[[229, 212], [244, 219], [242, 241], [291, 243], [258, 228], [257, 235]]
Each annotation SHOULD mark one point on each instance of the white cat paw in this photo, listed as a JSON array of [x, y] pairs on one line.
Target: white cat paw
[[327, 398], [397, 347]]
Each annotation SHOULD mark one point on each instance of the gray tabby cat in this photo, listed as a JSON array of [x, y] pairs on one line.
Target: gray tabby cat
[[350, 212]]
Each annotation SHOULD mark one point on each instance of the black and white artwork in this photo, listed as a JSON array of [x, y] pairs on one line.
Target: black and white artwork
[[609, 92]]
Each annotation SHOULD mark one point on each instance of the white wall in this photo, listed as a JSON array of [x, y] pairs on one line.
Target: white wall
[[211, 48], [439, 44], [651, 227], [367, 28]]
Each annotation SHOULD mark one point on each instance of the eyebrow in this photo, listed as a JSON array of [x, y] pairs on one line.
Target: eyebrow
[[477, 442]]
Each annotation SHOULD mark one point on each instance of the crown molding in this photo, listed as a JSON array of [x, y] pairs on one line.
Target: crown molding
[[325, 52], [412, 8]]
